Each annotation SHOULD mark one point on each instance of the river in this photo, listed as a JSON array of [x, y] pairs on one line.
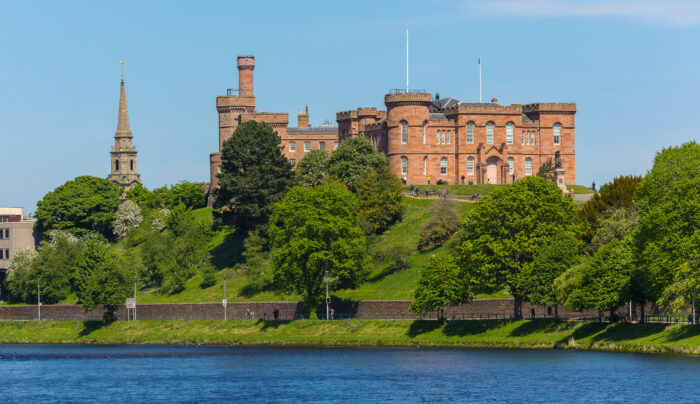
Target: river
[[173, 374]]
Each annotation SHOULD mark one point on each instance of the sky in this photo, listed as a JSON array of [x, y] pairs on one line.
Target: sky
[[632, 68]]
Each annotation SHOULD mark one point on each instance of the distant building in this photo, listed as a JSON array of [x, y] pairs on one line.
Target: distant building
[[123, 160], [16, 233]]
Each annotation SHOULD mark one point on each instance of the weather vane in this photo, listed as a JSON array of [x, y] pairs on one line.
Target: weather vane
[[121, 62]]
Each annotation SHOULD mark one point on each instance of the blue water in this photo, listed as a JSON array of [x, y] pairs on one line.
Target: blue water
[[199, 374]]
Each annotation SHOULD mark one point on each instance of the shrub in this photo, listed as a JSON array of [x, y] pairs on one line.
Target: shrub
[[442, 224]]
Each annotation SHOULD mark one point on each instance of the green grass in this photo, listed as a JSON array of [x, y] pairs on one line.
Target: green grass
[[459, 189], [579, 189], [487, 333]]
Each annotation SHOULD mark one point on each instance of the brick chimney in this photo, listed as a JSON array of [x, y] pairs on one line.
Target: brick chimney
[[303, 118], [246, 64]]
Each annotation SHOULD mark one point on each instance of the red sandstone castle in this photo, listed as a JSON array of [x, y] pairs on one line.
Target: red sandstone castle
[[422, 136]]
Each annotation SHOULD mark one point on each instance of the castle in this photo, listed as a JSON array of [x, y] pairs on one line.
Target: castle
[[424, 137]]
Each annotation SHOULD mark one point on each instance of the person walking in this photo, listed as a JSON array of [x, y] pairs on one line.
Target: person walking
[[427, 192], [428, 180], [463, 177]]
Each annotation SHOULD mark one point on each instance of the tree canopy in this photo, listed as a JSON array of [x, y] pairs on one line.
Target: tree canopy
[[254, 175], [313, 168], [617, 194], [379, 194], [439, 286], [80, 206], [313, 230], [352, 160]]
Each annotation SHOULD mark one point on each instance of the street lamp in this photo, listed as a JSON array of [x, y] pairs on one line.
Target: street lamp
[[328, 299], [224, 302]]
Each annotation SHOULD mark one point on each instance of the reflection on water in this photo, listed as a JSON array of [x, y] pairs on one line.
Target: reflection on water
[[69, 373]]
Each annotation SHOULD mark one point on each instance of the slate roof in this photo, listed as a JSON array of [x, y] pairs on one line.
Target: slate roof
[[315, 129]]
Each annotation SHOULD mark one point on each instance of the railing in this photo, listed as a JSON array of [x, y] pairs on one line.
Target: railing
[[232, 91], [404, 91]]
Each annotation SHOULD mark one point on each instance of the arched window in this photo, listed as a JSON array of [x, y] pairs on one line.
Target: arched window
[[470, 166], [404, 132], [509, 133], [425, 124], [528, 166], [533, 137], [404, 165], [442, 137], [116, 165], [557, 133], [448, 137], [511, 165], [443, 166], [293, 161], [470, 132], [489, 133], [425, 165], [132, 164]]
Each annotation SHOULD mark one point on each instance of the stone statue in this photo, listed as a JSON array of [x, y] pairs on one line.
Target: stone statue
[[557, 160]]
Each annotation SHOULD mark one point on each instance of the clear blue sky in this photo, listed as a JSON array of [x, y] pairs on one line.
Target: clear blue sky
[[632, 67]]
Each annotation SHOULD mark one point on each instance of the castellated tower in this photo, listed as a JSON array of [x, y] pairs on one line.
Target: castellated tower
[[123, 155], [407, 112]]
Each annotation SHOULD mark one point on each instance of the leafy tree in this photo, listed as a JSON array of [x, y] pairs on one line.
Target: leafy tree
[[208, 273], [108, 284], [502, 233], [441, 225], [602, 281], [616, 194], [313, 168], [190, 194], [379, 193], [161, 196], [254, 175], [92, 253], [20, 279], [128, 216], [141, 196], [439, 287], [685, 291], [669, 218], [352, 159], [546, 171], [80, 206], [550, 262], [314, 230], [614, 224]]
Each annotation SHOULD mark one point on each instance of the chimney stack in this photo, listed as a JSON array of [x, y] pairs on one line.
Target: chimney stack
[[246, 64], [303, 118]]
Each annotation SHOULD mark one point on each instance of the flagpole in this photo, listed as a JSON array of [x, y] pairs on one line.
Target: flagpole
[[406, 59], [479, 78]]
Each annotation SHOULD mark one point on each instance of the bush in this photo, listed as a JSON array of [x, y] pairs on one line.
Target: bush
[[208, 277], [379, 194], [442, 224], [396, 256], [128, 216]]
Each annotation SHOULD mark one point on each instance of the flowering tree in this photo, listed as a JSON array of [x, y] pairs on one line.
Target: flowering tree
[[127, 217]]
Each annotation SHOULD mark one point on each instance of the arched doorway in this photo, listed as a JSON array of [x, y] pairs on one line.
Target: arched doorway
[[493, 165]]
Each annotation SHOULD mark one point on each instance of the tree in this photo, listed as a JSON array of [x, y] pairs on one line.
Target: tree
[[313, 230], [602, 281], [190, 194], [502, 233], [550, 262], [439, 287], [379, 193], [613, 195], [669, 222], [546, 171], [685, 291], [92, 253], [80, 206], [442, 224], [313, 168], [141, 196], [254, 175], [614, 224], [20, 279], [128, 216], [108, 284], [351, 160]]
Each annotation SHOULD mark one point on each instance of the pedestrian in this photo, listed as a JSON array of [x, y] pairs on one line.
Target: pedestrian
[[332, 313], [532, 313], [252, 314], [513, 177], [247, 314], [411, 189], [276, 314], [463, 177], [403, 179], [427, 193], [428, 180]]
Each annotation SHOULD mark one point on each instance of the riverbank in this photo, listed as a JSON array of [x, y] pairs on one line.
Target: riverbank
[[536, 334]]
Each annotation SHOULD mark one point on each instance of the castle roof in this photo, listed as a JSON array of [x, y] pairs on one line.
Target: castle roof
[[314, 129], [437, 116], [444, 103]]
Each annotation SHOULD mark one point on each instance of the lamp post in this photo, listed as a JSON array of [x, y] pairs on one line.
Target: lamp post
[[328, 299], [38, 299], [224, 301]]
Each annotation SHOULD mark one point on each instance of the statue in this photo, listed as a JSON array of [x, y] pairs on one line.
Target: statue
[[557, 160]]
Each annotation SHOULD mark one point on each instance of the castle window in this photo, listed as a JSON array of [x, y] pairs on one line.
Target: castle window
[[335, 145], [424, 126], [404, 165], [307, 146], [448, 137], [443, 166], [470, 132], [470, 166], [557, 133], [533, 137], [522, 141], [527, 138], [131, 164], [292, 147], [489, 132], [116, 165], [322, 145], [511, 165], [425, 165], [404, 132], [442, 137], [509, 133], [293, 162], [438, 137], [528, 166]]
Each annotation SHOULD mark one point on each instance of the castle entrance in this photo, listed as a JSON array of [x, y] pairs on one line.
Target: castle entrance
[[492, 165]]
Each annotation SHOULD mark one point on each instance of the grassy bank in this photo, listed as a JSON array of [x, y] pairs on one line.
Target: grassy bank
[[488, 333]]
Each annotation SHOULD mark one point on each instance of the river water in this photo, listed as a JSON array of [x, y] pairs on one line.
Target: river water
[[172, 374]]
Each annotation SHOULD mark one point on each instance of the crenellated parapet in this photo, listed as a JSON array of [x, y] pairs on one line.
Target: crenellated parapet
[[558, 107], [484, 108], [274, 119], [407, 98], [345, 115]]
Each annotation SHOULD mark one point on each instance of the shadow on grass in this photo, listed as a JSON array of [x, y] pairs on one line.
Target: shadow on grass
[[252, 288], [90, 326], [228, 253], [534, 326], [390, 269], [455, 327], [683, 332], [272, 324]]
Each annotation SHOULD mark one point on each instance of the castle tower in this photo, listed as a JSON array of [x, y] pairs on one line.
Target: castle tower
[[123, 155], [246, 65], [408, 111]]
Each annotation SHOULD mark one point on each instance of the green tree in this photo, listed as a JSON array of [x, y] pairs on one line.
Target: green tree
[[442, 224], [190, 194], [127, 217], [379, 194], [352, 159], [685, 291], [85, 204], [502, 233], [254, 175], [92, 253], [313, 168], [614, 224], [109, 284], [669, 216], [549, 263], [546, 171], [141, 196], [314, 230], [20, 280], [439, 287], [613, 195]]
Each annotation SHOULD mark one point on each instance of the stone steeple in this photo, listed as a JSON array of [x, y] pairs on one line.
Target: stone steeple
[[123, 154]]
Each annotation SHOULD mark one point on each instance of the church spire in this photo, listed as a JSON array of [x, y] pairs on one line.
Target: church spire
[[123, 155], [123, 118]]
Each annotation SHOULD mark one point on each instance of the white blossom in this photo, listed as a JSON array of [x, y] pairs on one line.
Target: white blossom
[[127, 217]]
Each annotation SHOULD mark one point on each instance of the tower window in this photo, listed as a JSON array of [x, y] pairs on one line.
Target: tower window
[[489, 132], [131, 164], [470, 132], [448, 137], [404, 132], [557, 133], [511, 165], [443, 166], [425, 165], [293, 162], [424, 125], [522, 141], [509, 133], [116, 165], [470, 166], [442, 137], [438, 137], [404, 165]]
